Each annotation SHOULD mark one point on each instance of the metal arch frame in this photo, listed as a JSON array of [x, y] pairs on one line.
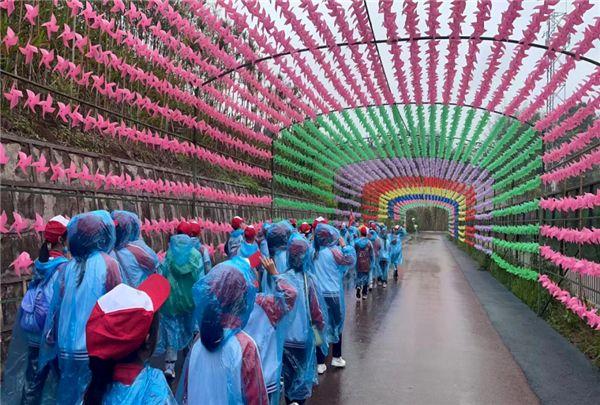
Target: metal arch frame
[[391, 41]]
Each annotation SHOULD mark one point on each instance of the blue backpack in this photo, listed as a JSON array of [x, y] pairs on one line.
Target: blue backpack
[[34, 309]]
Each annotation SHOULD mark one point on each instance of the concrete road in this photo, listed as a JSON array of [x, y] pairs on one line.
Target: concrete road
[[425, 339]]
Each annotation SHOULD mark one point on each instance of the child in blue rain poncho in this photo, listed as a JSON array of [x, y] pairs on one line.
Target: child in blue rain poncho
[[235, 238], [306, 325], [121, 335], [90, 274], [376, 242], [365, 255], [261, 239], [278, 236], [384, 257], [395, 242], [332, 258], [136, 260], [223, 366], [249, 245], [25, 382], [183, 267], [193, 230], [268, 323]]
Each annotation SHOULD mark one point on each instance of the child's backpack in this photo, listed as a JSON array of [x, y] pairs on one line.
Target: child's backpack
[[363, 258], [34, 309]]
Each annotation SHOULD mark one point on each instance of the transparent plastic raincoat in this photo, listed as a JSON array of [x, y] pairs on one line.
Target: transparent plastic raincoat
[[136, 260], [376, 242], [88, 275], [384, 253], [234, 241], [299, 355], [331, 263], [24, 380], [149, 388], [223, 366], [365, 256], [395, 238], [278, 235], [267, 325], [204, 252], [183, 267]]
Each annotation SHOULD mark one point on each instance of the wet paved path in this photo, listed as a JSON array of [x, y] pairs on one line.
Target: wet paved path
[[426, 339]]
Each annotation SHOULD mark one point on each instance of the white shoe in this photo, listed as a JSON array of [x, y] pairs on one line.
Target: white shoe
[[338, 362], [170, 370], [294, 403], [321, 368]]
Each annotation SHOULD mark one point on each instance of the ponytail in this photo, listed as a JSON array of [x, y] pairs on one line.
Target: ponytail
[[44, 254], [102, 374]]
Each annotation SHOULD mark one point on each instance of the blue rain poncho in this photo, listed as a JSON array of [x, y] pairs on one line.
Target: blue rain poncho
[[299, 356], [223, 366], [136, 260], [24, 380], [149, 388], [331, 263], [267, 326], [233, 243], [278, 235], [183, 267], [395, 240], [376, 242], [365, 256], [247, 249], [384, 254], [203, 249], [89, 275]]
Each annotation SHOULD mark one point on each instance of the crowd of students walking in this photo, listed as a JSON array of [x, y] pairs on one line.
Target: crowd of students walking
[[254, 329]]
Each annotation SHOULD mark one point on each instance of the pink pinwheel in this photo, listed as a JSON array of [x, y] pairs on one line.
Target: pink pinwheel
[[3, 221], [40, 165], [22, 264], [3, 156], [31, 13], [51, 26], [28, 50], [75, 6], [47, 106], [39, 225], [67, 35], [58, 172], [10, 39], [72, 172], [8, 5], [20, 224], [64, 111], [13, 96], [33, 100], [47, 57], [24, 162]]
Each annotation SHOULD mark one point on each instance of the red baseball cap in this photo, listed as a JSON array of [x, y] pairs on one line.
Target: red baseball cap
[[319, 220], [236, 222], [121, 318], [55, 228], [304, 227], [183, 227], [194, 228], [363, 230], [293, 222], [250, 233]]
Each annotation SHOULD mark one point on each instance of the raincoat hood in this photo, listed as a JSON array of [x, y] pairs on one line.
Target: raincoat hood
[[180, 256], [362, 242], [224, 300], [90, 233], [278, 236], [298, 254], [127, 227], [326, 236]]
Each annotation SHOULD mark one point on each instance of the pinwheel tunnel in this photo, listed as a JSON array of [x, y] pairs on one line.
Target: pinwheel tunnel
[[355, 110]]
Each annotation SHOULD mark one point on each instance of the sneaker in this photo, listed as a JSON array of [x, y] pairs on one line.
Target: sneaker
[[384, 284], [364, 297], [170, 370], [338, 362], [358, 294], [395, 273], [294, 403], [321, 368], [379, 282], [371, 287]]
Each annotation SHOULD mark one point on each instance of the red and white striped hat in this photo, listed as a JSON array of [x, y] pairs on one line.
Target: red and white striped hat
[[121, 318]]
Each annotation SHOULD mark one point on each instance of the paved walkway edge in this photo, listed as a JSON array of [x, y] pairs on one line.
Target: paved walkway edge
[[556, 370]]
